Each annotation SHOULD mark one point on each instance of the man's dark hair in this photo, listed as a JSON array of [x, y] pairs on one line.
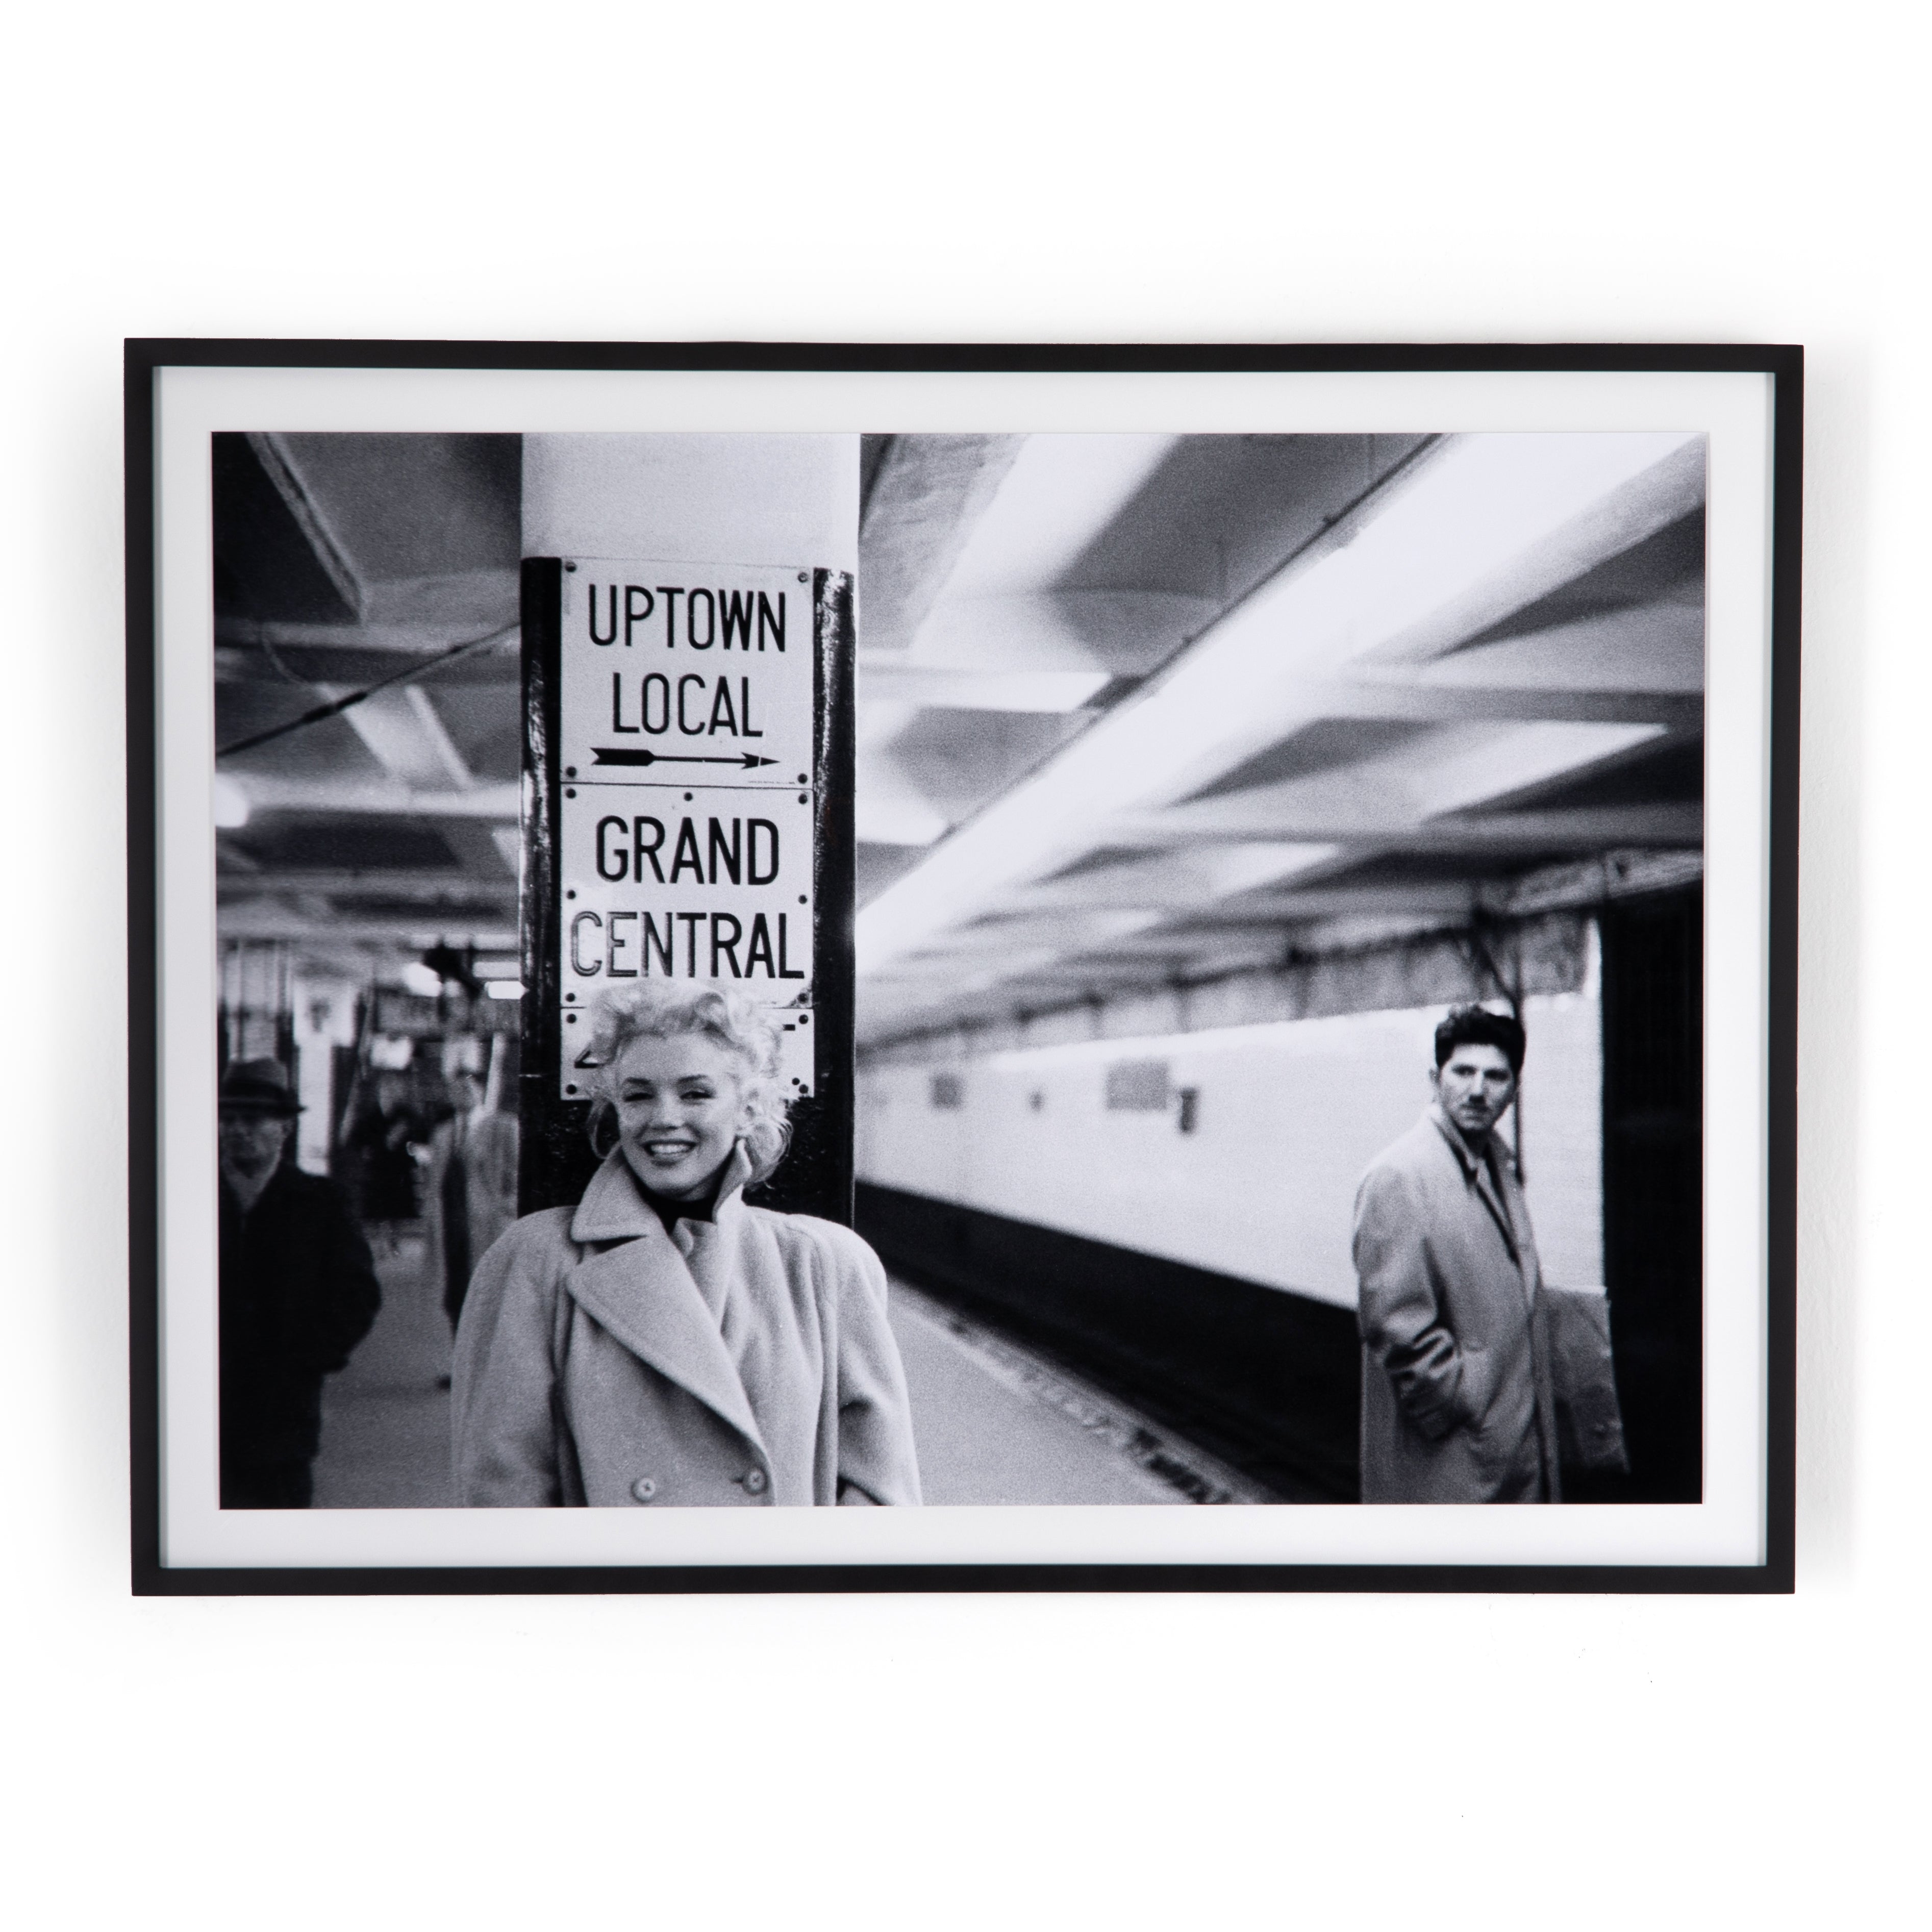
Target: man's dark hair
[[1477, 1026]]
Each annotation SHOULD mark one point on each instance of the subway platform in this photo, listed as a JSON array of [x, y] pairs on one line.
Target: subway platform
[[995, 1422]]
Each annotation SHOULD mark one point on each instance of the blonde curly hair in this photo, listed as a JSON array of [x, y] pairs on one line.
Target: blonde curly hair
[[664, 1008]]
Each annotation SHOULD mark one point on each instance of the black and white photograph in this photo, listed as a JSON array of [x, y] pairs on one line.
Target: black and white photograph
[[967, 968], [1089, 974]]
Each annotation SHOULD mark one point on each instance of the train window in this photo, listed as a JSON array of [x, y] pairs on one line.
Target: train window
[[1137, 1086], [948, 1091]]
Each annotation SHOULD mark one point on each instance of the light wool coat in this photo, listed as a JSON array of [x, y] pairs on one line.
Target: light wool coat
[[489, 1151], [745, 1360], [1456, 1404]]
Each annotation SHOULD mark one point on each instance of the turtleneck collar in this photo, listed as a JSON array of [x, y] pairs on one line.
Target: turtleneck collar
[[617, 1206]]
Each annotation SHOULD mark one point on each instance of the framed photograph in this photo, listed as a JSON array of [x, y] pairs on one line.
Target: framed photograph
[[762, 968]]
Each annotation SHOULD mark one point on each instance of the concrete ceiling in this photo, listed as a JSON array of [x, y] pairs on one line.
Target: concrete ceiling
[[1448, 668], [1132, 709], [340, 560]]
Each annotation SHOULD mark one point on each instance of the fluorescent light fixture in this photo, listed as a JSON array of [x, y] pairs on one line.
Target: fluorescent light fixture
[[504, 989], [422, 979], [231, 803], [1451, 525], [984, 691], [403, 733]]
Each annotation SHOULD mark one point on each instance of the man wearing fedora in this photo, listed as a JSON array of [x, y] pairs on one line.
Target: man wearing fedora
[[298, 1291]]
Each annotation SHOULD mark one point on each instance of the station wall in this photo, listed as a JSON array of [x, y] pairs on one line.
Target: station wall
[[1236, 1150]]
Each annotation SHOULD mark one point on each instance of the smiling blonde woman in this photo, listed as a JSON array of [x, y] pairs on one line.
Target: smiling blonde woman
[[662, 1343]]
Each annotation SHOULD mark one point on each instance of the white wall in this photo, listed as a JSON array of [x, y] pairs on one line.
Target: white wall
[[747, 498], [1288, 1117], [1650, 172]]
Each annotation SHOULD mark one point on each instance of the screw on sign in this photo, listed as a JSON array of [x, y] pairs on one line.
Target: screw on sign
[[684, 844]]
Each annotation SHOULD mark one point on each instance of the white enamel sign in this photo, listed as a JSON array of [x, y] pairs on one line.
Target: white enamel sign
[[685, 758]]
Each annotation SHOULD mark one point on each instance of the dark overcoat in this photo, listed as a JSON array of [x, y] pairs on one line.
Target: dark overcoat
[[298, 1291], [1456, 1404], [603, 1359]]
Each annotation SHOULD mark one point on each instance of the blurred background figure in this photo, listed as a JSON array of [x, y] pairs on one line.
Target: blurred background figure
[[379, 1143], [470, 1195], [298, 1291]]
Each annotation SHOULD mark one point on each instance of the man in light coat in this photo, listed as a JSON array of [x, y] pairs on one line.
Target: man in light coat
[[471, 1194], [1457, 1403]]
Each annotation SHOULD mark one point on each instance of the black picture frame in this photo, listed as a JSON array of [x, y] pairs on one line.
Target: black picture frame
[[146, 359]]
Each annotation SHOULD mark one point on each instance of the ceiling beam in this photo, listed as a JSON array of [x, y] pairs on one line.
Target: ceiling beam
[[351, 661], [436, 888], [486, 852], [272, 919], [1449, 896], [1245, 816], [497, 803], [1595, 881], [1657, 646], [1421, 562], [271, 451], [1190, 877], [413, 617], [927, 494], [1045, 938], [981, 690], [404, 734], [1445, 703], [1616, 519]]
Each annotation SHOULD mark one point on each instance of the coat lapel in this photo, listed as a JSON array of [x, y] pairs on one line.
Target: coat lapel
[[1478, 1170], [1486, 1185], [1522, 1239], [643, 1292]]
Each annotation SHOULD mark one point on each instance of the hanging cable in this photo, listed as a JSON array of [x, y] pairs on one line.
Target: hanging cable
[[337, 705]]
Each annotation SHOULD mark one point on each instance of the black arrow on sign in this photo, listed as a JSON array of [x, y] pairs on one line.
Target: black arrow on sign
[[606, 755]]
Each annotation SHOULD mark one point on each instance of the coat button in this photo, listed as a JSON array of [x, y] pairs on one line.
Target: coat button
[[643, 1489], [755, 1482]]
